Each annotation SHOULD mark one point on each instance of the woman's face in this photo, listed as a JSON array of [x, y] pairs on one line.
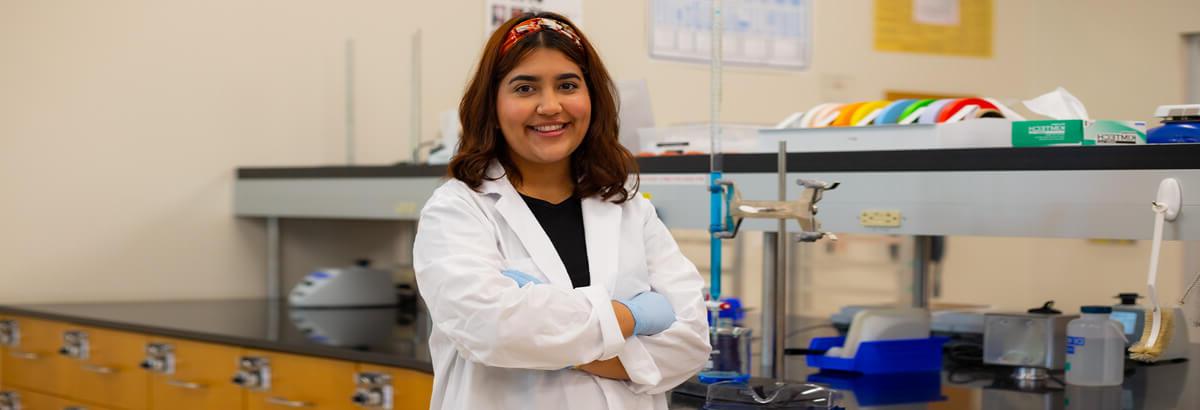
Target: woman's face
[[544, 108]]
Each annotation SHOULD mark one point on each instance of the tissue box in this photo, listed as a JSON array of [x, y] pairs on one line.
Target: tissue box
[[1045, 133]]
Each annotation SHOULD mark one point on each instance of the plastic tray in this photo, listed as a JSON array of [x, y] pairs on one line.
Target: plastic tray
[[881, 357]]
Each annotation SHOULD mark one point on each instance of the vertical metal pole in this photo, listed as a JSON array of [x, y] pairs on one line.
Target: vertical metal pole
[[769, 304], [415, 112], [781, 247], [922, 255], [273, 258], [349, 101], [1193, 69]]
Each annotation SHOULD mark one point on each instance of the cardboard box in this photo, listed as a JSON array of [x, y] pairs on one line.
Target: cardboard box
[[1045, 133]]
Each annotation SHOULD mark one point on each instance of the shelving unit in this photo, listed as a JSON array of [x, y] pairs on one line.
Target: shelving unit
[[1066, 192]]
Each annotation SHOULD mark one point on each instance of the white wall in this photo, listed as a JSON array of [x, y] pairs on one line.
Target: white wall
[[121, 122]]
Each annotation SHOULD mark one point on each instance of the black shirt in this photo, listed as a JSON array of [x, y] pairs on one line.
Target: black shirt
[[563, 223]]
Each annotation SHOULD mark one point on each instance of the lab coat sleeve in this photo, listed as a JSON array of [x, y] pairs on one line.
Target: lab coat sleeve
[[488, 318], [659, 362]]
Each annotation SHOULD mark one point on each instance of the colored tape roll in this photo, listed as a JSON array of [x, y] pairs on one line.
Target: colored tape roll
[[958, 104], [891, 113], [810, 116], [988, 113], [826, 116], [930, 115], [865, 110], [847, 113], [911, 108]]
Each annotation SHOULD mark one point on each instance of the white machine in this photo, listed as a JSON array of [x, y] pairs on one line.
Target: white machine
[[355, 286]]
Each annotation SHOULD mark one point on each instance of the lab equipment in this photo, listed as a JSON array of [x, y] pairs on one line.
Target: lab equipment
[[1095, 349], [354, 286], [879, 356], [1180, 124], [1130, 315], [1157, 336], [1034, 343], [757, 393], [731, 358], [521, 278], [652, 313], [871, 325]]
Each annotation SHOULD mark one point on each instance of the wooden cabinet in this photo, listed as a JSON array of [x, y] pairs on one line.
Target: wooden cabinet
[[186, 375], [53, 365], [102, 367], [30, 400], [411, 390], [31, 359], [303, 382]]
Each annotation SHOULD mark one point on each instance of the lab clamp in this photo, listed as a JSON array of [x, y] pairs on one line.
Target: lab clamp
[[253, 373], [728, 374], [160, 358], [372, 391]]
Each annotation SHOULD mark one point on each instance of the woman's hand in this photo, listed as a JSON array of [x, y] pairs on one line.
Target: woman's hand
[[609, 369]]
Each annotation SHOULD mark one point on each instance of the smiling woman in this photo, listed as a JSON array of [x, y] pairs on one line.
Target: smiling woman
[[550, 281]]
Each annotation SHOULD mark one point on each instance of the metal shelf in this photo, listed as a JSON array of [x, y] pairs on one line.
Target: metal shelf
[[1076, 192]]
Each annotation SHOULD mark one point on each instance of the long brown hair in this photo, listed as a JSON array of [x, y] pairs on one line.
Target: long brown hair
[[600, 165]]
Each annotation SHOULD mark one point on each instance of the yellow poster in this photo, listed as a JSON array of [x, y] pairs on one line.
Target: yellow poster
[[946, 27]]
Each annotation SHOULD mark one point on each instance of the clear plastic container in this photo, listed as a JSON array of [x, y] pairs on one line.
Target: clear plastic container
[[1095, 349]]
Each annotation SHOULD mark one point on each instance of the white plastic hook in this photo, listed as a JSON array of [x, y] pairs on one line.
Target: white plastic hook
[[1170, 195]]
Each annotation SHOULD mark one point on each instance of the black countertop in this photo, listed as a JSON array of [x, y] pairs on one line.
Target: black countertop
[[396, 336]]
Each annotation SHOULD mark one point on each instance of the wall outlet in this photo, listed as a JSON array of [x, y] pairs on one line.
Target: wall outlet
[[879, 218]]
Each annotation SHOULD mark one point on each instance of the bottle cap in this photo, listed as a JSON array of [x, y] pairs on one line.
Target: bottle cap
[[1096, 309]]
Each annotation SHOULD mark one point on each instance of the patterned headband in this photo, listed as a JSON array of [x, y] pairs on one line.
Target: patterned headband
[[535, 25]]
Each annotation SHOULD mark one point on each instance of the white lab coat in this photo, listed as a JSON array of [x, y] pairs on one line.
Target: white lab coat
[[497, 346]]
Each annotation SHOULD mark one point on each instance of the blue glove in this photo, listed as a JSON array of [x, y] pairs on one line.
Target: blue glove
[[521, 278], [652, 313]]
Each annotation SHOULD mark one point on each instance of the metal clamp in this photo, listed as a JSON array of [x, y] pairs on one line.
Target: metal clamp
[[10, 333], [160, 358], [253, 373], [373, 391], [278, 401], [75, 345], [185, 385], [10, 400]]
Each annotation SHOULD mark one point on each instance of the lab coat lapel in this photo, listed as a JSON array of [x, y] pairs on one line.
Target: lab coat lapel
[[602, 230], [532, 236]]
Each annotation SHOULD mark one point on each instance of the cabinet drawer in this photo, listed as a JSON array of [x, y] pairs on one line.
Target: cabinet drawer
[[31, 359], [303, 382], [106, 370], [29, 400], [197, 377], [411, 389]]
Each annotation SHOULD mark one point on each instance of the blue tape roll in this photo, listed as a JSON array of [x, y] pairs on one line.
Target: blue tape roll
[[931, 111], [891, 113]]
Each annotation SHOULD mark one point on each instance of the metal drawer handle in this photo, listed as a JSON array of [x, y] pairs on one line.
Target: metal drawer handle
[[288, 403], [97, 369], [24, 355], [185, 385]]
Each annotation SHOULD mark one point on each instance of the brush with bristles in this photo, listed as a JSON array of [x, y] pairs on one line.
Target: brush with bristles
[[1156, 336]]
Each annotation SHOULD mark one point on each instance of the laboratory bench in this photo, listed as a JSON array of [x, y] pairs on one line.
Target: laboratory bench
[[971, 386], [213, 354]]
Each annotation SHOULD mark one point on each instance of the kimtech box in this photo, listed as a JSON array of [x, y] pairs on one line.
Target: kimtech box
[[1046, 133]]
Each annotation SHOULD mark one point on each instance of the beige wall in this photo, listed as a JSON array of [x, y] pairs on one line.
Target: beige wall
[[121, 123]]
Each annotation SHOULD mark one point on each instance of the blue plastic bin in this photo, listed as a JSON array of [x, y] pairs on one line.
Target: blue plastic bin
[[881, 357]]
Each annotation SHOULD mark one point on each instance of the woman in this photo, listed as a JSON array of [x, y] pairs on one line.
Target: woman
[[551, 282]]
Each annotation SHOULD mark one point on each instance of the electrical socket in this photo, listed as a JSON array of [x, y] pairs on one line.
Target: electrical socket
[[879, 218]]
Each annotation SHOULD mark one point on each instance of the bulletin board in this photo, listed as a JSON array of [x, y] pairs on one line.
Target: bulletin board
[[946, 27], [774, 33]]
